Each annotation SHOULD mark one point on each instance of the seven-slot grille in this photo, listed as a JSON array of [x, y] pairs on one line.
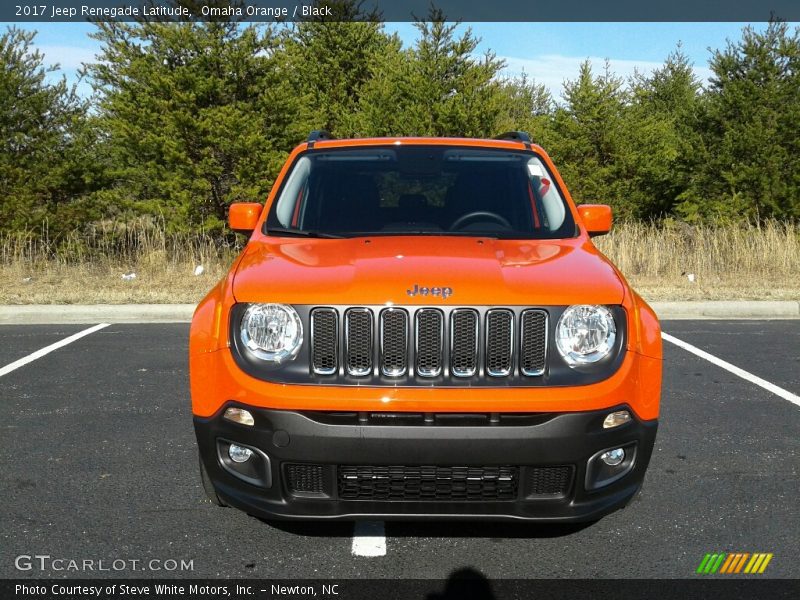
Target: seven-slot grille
[[429, 342]]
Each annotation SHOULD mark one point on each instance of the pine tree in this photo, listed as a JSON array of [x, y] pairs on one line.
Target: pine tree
[[197, 115], [330, 59], [529, 107], [750, 120], [40, 122], [436, 88], [588, 137], [662, 143]]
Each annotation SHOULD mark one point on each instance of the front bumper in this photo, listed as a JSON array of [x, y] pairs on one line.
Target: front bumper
[[522, 448]]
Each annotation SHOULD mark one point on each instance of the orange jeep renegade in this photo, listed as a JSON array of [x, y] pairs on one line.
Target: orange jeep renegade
[[422, 328]]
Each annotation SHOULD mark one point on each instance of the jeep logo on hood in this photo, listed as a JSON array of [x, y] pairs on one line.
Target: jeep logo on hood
[[443, 292]]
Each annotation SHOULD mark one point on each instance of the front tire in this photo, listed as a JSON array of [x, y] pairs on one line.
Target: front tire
[[208, 487]]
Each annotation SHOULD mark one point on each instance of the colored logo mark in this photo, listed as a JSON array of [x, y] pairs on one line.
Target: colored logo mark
[[734, 562]]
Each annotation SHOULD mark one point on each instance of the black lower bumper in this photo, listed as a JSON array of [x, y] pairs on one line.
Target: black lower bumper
[[334, 466]]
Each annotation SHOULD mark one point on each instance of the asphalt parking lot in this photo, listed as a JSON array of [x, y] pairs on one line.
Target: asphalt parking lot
[[99, 462]]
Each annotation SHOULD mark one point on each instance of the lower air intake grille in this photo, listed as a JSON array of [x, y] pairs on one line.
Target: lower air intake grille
[[548, 481], [305, 479], [428, 483]]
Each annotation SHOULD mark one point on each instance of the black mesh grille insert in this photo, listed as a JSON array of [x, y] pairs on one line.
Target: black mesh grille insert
[[533, 349], [464, 350], [428, 483], [324, 324], [430, 332], [499, 340], [305, 479], [394, 342], [359, 341], [412, 345], [548, 481]]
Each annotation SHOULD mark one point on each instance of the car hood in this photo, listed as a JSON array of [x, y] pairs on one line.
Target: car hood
[[381, 270]]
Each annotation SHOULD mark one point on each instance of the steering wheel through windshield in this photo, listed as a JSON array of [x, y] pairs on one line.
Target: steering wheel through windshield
[[478, 216]]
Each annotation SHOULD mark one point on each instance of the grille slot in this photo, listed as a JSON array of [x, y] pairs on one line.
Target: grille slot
[[548, 481], [358, 333], [325, 346], [464, 342], [394, 342], [429, 338], [499, 342], [428, 483], [533, 348], [305, 479]]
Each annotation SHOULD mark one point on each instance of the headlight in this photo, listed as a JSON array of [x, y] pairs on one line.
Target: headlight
[[585, 333], [272, 332]]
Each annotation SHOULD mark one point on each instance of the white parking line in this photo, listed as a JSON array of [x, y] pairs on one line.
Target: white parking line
[[778, 391], [48, 349], [369, 538]]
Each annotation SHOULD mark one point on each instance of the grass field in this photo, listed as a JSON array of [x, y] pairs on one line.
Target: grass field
[[725, 262]]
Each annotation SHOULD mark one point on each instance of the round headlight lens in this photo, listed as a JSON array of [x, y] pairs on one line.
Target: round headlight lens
[[272, 332], [585, 334]]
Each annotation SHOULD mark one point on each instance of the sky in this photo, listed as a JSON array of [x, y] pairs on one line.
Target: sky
[[549, 53]]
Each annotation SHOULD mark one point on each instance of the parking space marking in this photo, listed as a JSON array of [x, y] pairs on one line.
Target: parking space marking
[[48, 349], [369, 538], [778, 391]]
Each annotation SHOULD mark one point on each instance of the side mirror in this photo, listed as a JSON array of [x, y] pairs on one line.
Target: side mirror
[[243, 216], [596, 218]]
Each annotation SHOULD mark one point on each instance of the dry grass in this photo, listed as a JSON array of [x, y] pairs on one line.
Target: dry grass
[[87, 268], [731, 262]]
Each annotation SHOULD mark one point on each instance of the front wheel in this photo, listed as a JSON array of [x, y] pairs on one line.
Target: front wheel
[[208, 487]]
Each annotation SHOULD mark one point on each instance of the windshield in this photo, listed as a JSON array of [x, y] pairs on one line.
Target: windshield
[[420, 190]]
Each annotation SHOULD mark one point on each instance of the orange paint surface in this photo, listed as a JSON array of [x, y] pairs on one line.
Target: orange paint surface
[[378, 270]]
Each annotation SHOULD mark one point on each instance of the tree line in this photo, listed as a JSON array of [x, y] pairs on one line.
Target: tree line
[[186, 118]]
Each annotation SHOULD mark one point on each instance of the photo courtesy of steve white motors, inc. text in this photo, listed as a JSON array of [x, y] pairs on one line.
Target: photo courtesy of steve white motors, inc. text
[[44, 11], [170, 589]]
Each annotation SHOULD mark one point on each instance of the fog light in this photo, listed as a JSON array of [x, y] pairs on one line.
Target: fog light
[[612, 457], [240, 454], [239, 415], [615, 419]]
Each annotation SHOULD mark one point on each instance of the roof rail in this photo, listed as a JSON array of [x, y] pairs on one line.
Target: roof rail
[[316, 135], [516, 136]]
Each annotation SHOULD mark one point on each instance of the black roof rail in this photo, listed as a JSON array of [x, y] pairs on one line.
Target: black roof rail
[[516, 136], [316, 135]]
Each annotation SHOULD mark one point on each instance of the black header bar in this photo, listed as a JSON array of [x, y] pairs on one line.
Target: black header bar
[[402, 11], [464, 585]]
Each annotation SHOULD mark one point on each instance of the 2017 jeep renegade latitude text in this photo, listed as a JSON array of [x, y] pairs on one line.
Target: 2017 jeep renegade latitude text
[[422, 327]]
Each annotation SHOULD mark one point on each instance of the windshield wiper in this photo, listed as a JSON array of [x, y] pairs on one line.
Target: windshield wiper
[[435, 233], [287, 231]]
